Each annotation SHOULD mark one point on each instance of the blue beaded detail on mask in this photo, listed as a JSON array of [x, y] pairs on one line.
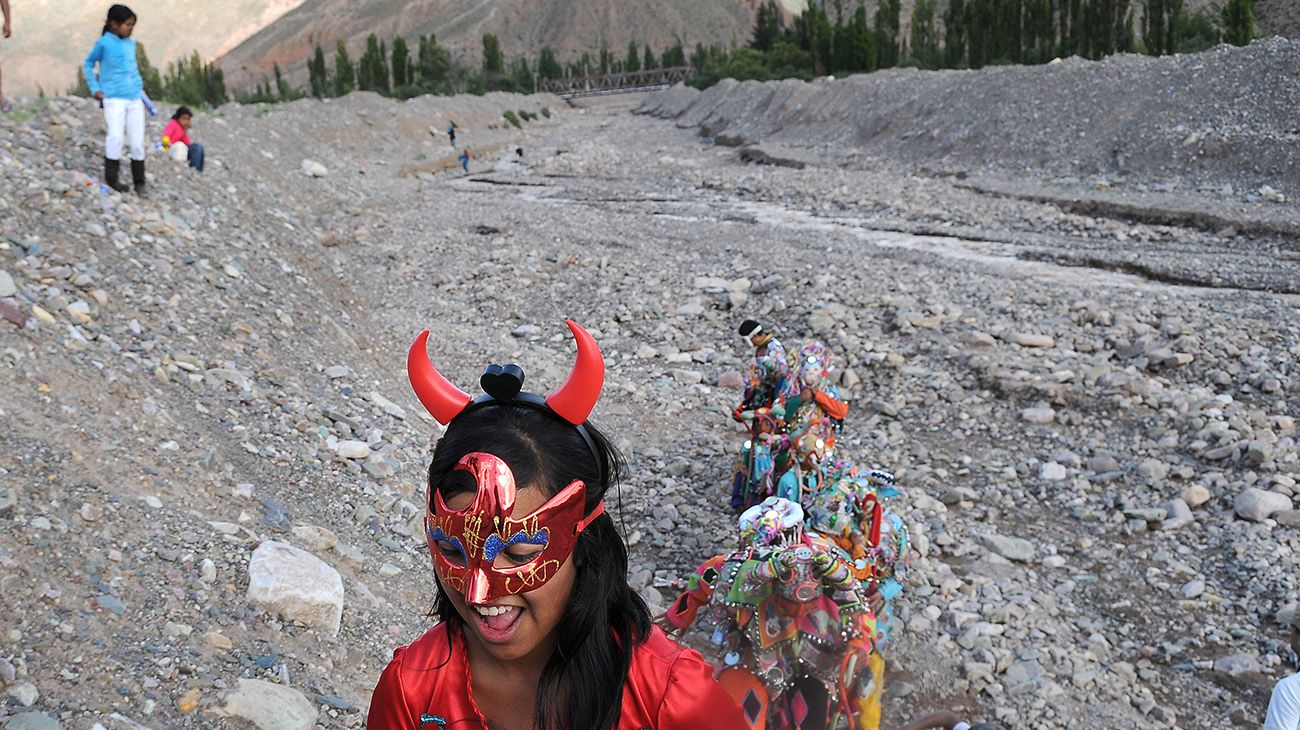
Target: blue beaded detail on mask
[[495, 545]]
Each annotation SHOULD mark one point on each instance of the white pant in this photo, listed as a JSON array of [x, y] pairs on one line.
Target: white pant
[[125, 121]]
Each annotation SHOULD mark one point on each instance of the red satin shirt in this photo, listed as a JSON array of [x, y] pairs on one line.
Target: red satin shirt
[[669, 687]]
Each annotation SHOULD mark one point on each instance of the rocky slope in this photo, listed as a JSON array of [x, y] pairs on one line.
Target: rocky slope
[[1099, 466], [523, 26]]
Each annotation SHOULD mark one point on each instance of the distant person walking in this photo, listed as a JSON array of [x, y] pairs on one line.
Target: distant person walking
[[120, 92], [1284, 706], [176, 135], [5, 106], [451, 133], [464, 160]]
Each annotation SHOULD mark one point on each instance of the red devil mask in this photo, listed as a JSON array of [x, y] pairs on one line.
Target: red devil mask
[[465, 544]]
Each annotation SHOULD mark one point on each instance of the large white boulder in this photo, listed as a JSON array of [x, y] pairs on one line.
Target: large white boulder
[[1256, 504], [269, 706], [297, 585]]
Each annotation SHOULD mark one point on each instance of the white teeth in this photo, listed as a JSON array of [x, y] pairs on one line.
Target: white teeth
[[493, 610]]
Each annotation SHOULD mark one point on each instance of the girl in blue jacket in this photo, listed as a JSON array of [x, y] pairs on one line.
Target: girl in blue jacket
[[120, 91]]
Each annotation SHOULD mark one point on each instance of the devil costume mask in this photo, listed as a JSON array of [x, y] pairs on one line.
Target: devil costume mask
[[465, 544]]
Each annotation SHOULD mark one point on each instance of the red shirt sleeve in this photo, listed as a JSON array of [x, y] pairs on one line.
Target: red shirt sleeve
[[388, 709], [693, 699]]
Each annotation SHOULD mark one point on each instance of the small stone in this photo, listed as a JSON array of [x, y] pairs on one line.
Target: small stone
[[312, 168], [1193, 589], [1196, 495], [1051, 471], [111, 603], [1146, 514], [976, 338], [1011, 548], [1288, 517], [1025, 339], [688, 377], [1102, 463], [1258, 452], [43, 316], [1256, 504], [1153, 470], [1178, 514], [957, 495], [189, 702], [7, 286], [315, 538], [1236, 665], [527, 330], [691, 309], [1038, 416], [8, 499], [730, 379], [208, 571], [353, 449], [25, 693], [32, 721], [337, 703], [218, 641], [388, 570], [334, 372]]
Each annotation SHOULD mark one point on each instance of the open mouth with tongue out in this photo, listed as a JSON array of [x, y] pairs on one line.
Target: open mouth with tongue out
[[497, 623]]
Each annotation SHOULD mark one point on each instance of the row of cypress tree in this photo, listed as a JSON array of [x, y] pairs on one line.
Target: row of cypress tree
[[190, 81], [969, 34], [391, 70]]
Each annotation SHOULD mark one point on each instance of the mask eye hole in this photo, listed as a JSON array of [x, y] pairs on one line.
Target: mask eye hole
[[520, 554], [518, 549], [450, 548], [451, 553]]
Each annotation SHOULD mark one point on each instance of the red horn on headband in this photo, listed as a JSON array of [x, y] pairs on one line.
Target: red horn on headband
[[577, 397], [443, 400]]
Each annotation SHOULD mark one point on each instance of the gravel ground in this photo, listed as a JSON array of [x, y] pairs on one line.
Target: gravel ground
[[1097, 452]]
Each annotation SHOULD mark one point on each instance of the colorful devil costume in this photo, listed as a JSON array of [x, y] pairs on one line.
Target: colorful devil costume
[[768, 381], [428, 684], [795, 635]]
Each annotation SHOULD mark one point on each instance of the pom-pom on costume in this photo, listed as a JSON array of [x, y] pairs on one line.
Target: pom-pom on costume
[[428, 685]]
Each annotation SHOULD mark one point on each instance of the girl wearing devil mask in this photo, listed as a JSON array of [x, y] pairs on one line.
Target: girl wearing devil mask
[[539, 629]]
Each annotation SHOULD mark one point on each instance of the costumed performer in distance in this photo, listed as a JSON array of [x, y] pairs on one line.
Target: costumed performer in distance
[[538, 628]]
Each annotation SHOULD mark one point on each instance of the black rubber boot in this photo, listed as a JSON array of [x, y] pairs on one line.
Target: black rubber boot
[[137, 176], [111, 169]]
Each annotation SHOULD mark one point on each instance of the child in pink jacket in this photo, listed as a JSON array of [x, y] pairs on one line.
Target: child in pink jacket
[[177, 131]]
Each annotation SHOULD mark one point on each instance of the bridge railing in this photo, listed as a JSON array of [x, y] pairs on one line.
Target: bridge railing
[[616, 83]]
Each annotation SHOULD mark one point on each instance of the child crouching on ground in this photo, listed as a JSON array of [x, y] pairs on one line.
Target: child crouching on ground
[[177, 134]]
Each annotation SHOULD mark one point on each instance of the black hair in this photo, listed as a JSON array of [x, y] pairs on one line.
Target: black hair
[[118, 14], [605, 620], [747, 327], [183, 112]]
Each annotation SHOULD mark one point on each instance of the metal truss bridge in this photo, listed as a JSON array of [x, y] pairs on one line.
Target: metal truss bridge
[[573, 87]]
